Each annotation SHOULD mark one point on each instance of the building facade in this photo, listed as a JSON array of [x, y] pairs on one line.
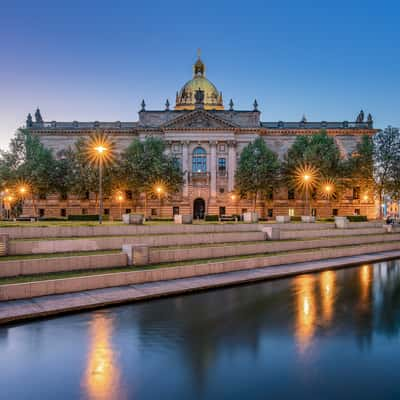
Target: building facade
[[207, 138]]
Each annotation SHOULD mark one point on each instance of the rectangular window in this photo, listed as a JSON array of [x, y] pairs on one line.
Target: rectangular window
[[314, 212], [270, 195], [221, 147], [244, 210], [222, 211], [221, 190], [356, 193], [175, 210], [87, 195], [84, 211], [291, 194], [335, 212], [128, 210], [42, 196], [106, 211], [128, 194], [63, 212], [270, 212], [291, 212], [357, 211], [154, 211], [41, 212], [222, 166], [64, 197]]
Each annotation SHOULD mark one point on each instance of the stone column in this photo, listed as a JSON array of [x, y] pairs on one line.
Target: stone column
[[185, 168], [213, 169], [231, 165]]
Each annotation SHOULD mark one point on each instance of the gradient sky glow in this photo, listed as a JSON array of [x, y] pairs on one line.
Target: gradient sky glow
[[96, 60]]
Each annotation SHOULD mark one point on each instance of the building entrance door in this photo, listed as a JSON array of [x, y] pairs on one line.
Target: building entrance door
[[199, 208]]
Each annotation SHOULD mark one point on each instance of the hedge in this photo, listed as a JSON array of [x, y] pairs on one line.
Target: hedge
[[211, 218], [295, 219], [86, 217], [357, 218]]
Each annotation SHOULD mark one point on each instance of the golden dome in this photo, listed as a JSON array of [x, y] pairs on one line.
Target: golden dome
[[185, 98]]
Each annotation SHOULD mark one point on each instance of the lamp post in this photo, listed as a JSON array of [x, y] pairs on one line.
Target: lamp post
[[8, 201], [233, 198], [159, 191], [101, 152], [120, 198], [307, 182]]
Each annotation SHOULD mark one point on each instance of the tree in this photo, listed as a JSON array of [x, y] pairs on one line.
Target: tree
[[318, 150], [144, 164], [359, 167], [318, 153], [28, 161], [386, 158], [257, 171]]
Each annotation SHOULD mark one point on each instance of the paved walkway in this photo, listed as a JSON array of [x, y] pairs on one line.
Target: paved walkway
[[50, 305]]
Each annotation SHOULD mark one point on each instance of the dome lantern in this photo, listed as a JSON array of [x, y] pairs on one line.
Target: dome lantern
[[185, 99]]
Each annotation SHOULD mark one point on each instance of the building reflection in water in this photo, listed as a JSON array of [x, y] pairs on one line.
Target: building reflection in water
[[328, 295], [305, 310], [102, 375]]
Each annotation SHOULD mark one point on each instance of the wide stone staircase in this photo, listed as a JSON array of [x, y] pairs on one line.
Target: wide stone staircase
[[93, 258]]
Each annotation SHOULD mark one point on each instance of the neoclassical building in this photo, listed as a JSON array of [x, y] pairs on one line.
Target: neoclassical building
[[207, 137]]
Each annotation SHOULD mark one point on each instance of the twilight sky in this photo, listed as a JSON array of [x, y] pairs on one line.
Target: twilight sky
[[96, 60]]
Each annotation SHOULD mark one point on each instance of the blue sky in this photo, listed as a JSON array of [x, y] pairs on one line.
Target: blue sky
[[96, 60]]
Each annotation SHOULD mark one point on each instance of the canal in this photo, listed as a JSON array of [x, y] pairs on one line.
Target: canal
[[329, 335]]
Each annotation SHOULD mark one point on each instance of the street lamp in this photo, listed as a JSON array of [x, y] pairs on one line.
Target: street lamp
[[305, 178], [8, 201], [159, 191], [120, 198], [233, 198], [100, 151]]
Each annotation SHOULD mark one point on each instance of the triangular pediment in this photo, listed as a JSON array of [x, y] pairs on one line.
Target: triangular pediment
[[199, 119]]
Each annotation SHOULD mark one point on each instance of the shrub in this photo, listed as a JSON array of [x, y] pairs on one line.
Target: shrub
[[357, 218], [329, 219], [52, 219], [295, 219], [160, 219], [211, 217], [87, 217]]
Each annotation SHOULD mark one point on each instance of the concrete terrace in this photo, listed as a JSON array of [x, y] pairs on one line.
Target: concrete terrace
[[17, 310]]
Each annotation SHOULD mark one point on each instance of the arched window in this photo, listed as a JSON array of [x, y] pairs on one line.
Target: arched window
[[199, 160]]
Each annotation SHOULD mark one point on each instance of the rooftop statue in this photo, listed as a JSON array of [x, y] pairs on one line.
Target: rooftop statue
[[360, 117], [38, 116]]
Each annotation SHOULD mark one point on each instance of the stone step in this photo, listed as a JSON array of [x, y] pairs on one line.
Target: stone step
[[304, 234], [210, 269], [120, 230], [163, 255], [115, 242]]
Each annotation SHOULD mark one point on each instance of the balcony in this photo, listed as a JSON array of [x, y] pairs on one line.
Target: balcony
[[199, 178]]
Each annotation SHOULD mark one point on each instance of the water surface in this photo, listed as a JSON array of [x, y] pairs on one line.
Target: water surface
[[331, 335]]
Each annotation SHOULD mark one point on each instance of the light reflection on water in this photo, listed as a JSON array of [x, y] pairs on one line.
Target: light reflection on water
[[329, 335], [102, 375]]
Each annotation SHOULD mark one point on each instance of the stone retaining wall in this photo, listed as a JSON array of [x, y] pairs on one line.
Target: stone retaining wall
[[111, 243], [309, 234], [61, 264], [69, 285], [120, 230], [175, 255]]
